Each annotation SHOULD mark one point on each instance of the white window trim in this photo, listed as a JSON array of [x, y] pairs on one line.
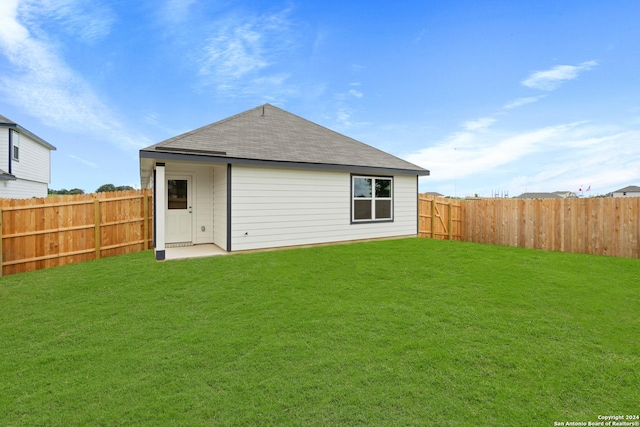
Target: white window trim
[[15, 143], [373, 199]]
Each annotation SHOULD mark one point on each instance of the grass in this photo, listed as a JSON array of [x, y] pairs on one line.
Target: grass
[[404, 332]]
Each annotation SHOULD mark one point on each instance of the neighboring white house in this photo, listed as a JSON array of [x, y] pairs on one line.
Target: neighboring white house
[[630, 191], [25, 162], [267, 178]]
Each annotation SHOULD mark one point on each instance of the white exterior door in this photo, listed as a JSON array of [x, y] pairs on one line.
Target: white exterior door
[[179, 209]]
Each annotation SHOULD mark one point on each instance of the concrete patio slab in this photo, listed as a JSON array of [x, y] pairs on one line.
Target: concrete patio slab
[[194, 251]]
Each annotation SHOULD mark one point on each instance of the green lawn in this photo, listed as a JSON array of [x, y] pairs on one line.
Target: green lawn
[[403, 332]]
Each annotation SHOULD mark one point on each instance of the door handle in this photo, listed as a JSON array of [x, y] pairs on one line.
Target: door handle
[[190, 210]]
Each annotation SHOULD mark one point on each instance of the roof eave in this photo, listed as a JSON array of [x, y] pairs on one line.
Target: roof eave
[[30, 134], [201, 158]]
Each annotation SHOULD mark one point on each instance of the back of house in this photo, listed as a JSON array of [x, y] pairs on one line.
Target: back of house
[[267, 178]]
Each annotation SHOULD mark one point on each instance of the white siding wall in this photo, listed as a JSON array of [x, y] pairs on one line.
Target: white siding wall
[[4, 149], [22, 189], [202, 198], [627, 194], [220, 206], [34, 163], [285, 207]]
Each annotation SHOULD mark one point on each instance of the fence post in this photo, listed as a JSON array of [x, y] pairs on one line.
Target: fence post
[[450, 212], [145, 200], [1, 254], [96, 214], [433, 218]]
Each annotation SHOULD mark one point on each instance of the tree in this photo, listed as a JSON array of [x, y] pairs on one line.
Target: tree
[[106, 187], [110, 187], [64, 191]]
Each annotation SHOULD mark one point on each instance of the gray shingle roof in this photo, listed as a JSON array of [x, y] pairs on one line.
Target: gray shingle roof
[[538, 196], [5, 122], [630, 188], [268, 133]]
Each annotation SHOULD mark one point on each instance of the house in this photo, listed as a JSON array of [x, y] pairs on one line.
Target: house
[[25, 162], [433, 193], [630, 191], [539, 196], [566, 194], [267, 178]]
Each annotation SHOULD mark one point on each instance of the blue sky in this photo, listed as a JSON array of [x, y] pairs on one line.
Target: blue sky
[[491, 97]]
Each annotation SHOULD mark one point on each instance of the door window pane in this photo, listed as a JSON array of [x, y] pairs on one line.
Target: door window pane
[[177, 193]]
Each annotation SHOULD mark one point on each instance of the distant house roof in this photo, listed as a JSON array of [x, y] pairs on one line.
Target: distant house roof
[[565, 194], [539, 196], [270, 134], [433, 193], [629, 189], [5, 122]]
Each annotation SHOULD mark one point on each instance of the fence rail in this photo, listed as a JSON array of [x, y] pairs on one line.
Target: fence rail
[[58, 230], [599, 226]]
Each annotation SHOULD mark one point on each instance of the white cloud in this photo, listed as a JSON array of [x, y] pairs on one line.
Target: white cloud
[[231, 55], [83, 161], [554, 158], [237, 56], [551, 79], [11, 32], [479, 124], [355, 93], [84, 19], [602, 158], [519, 102], [343, 117], [41, 83], [465, 154]]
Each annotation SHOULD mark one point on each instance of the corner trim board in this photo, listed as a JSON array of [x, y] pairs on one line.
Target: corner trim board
[[228, 207]]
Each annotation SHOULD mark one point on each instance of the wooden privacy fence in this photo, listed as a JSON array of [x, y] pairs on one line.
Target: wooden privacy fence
[[598, 226], [58, 230], [439, 218]]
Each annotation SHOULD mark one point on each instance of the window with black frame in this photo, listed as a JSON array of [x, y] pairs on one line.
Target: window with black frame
[[372, 198]]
